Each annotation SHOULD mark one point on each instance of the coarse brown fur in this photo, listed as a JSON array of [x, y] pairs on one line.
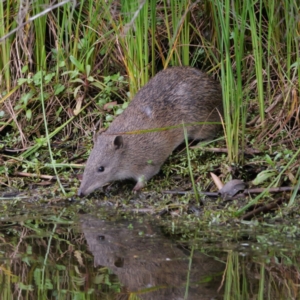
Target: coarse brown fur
[[174, 96]]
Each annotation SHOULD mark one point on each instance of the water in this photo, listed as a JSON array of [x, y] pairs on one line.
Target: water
[[68, 252]]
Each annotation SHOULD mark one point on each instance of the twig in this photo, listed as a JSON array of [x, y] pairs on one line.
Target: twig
[[248, 151], [211, 194], [264, 209], [24, 174], [240, 195]]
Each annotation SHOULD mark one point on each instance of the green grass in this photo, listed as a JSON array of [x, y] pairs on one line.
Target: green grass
[[6, 24]]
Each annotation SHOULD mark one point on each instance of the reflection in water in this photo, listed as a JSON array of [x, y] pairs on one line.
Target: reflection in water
[[47, 257], [150, 265]]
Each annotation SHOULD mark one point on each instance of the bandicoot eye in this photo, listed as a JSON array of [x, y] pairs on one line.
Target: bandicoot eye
[[101, 169]]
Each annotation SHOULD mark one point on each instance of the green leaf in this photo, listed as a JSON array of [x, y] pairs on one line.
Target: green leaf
[[60, 267], [24, 287], [106, 79], [22, 81], [295, 64], [78, 65], [97, 85], [58, 88], [269, 160], [90, 78], [119, 111], [26, 97], [74, 74], [48, 284], [263, 176], [87, 70], [124, 105], [77, 80], [28, 114], [109, 118], [37, 274], [49, 77], [68, 72], [61, 64], [18, 106], [24, 69], [89, 54], [46, 96], [76, 91], [37, 77]]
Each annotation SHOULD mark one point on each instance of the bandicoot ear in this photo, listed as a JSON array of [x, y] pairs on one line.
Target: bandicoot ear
[[118, 142]]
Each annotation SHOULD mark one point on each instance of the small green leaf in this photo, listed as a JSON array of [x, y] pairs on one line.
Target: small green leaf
[[263, 176], [269, 160], [24, 287], [48, 284], [87, 70], [68, 72], [26, 97], [89, 54], [124, 105], [106, 79], [49, 77], [46, 96], [22, 81], [277, 156], [77, 80], [24, 69], [115, 77], [119, 111], [97, 85], [41, 141], [109, 118], [60, 267], [58, 88], [76, 91], [37, 77], [61, 64], [295, 64], [78, 65], [82, 44], [28, 114]]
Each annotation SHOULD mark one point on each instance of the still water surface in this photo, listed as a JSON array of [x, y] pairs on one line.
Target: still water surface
[[113, 255]]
